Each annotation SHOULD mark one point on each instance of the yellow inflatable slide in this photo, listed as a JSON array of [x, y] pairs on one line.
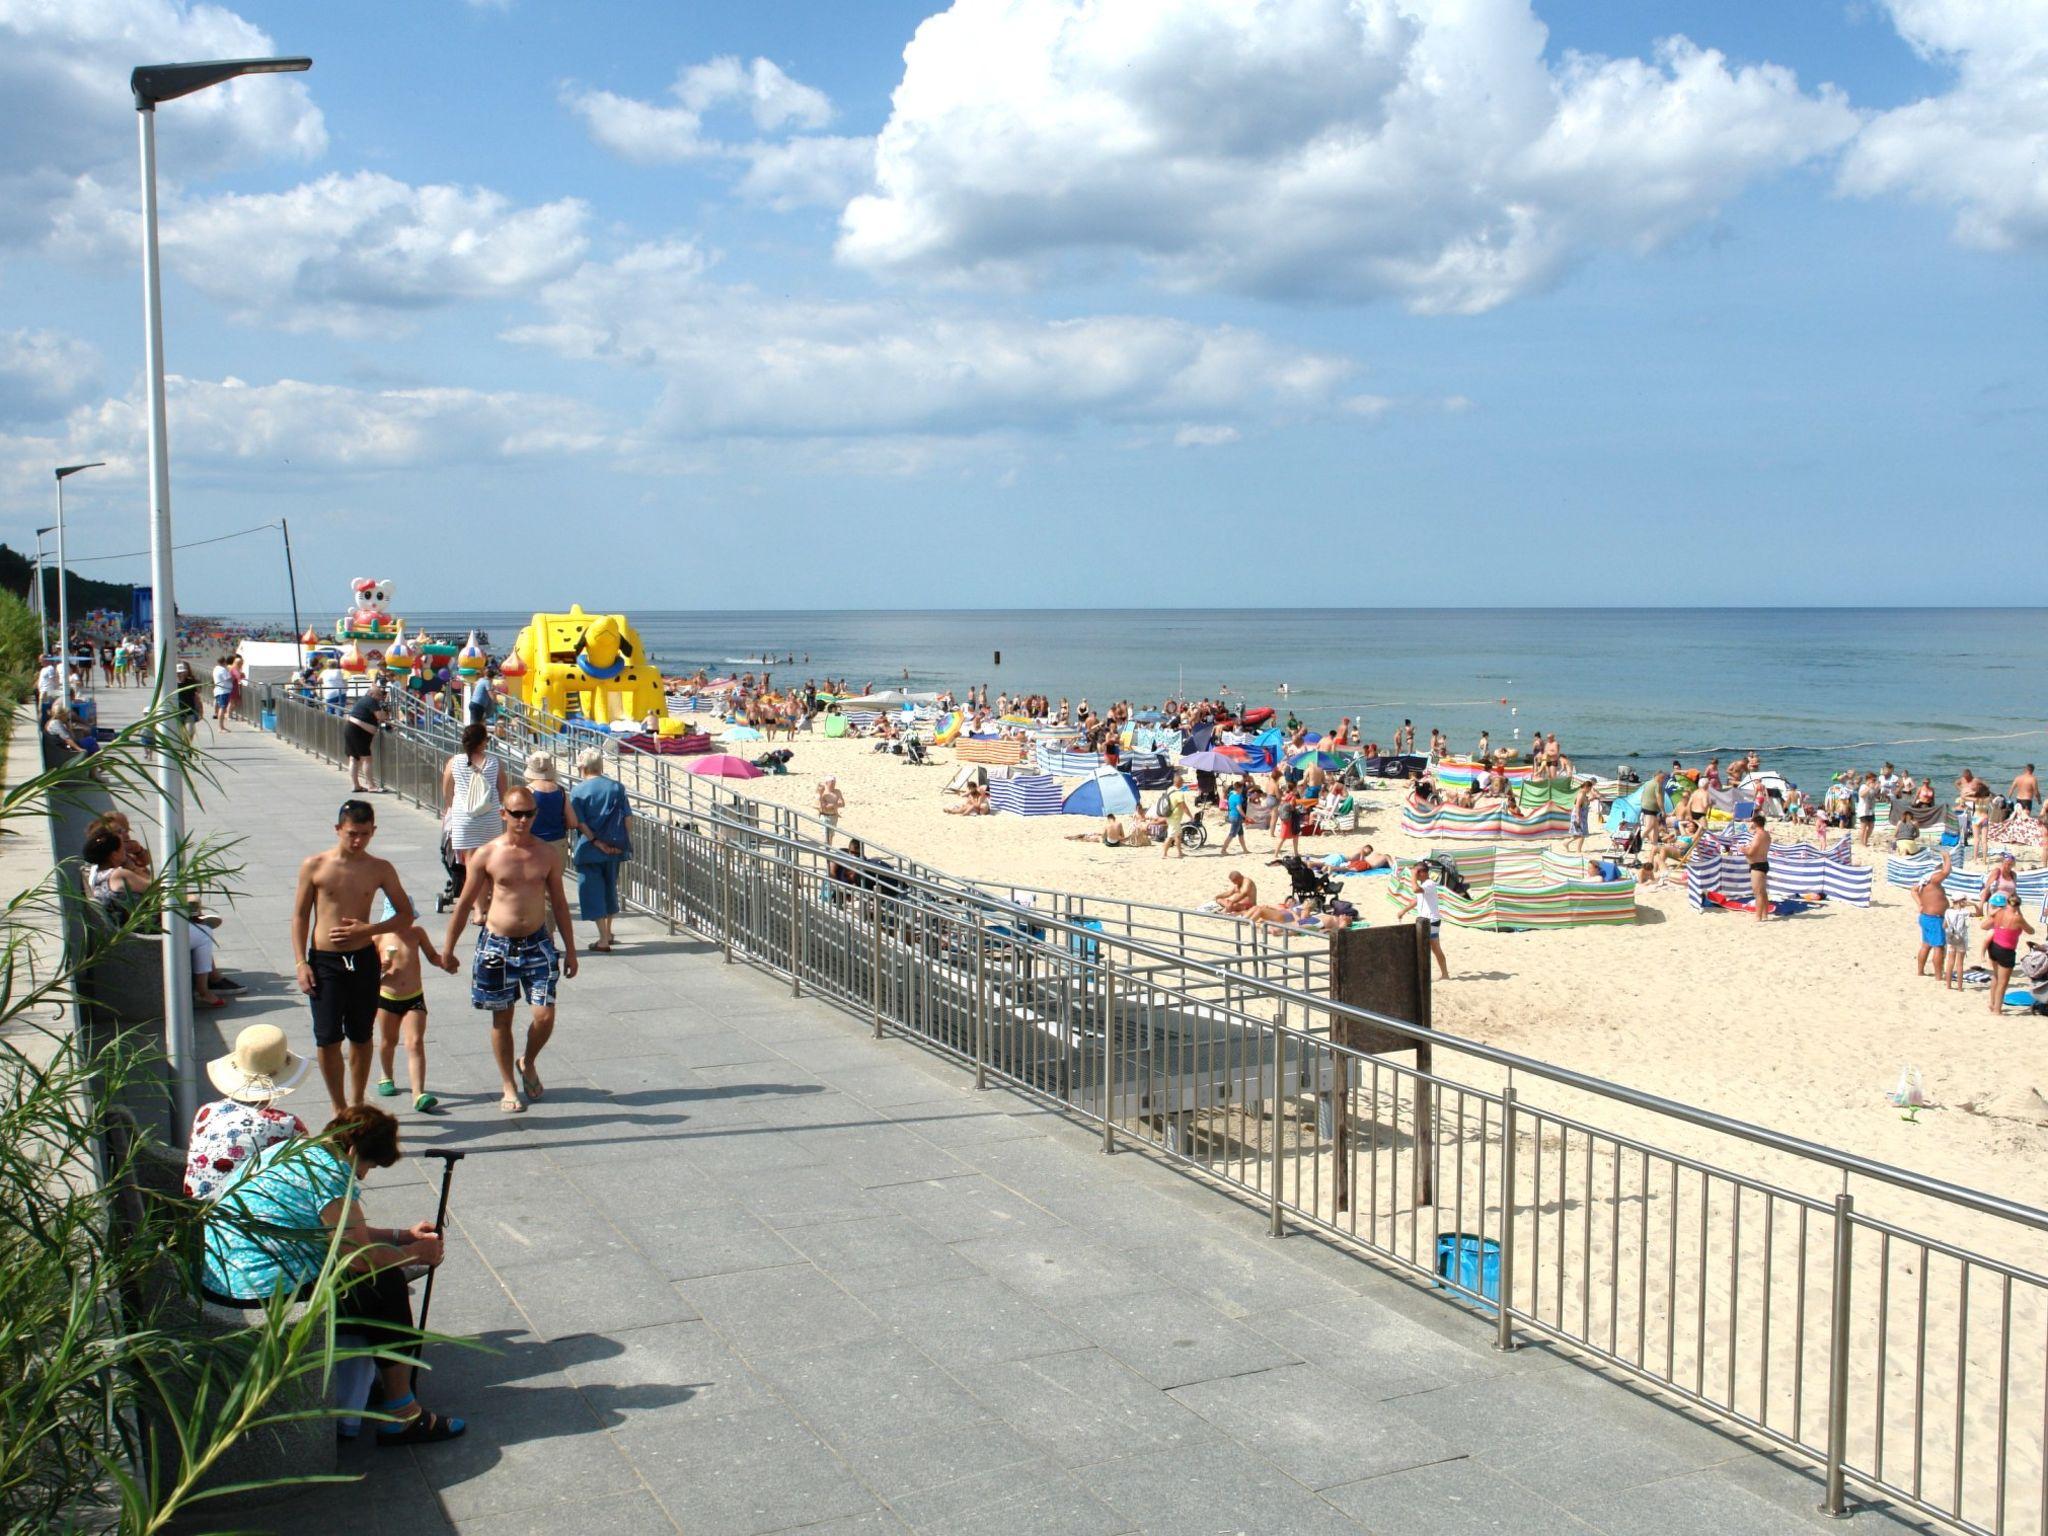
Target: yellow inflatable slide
[[582, 664]]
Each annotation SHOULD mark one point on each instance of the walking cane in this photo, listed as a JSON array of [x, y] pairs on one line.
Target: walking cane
[[448, 1161]]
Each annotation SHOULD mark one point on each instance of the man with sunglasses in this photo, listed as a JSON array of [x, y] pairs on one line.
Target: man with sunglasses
[[335, 941], [514, 955]]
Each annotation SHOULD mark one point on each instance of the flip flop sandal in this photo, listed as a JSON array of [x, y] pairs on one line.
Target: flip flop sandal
[[423, 1428], [534, 1087], [386, 1088], [426, 1103], [511, 1107]]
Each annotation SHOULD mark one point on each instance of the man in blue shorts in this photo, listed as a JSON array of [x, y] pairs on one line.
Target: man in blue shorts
[[514, 955]]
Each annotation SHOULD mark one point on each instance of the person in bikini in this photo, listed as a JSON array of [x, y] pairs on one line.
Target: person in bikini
[[2002, 943], [514, 955], [335, 941], [402, 1009]]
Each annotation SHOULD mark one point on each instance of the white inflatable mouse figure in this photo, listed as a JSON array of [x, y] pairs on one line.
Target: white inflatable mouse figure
[[372, 610]]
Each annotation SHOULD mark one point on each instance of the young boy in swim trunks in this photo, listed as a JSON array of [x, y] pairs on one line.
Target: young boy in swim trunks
[[402, 1009], [1955, 931]]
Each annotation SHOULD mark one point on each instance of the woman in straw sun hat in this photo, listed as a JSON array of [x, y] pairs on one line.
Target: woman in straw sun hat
[[229, 1132]]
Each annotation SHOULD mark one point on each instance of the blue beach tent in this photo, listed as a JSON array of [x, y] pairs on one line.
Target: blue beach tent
[[1105, 793]]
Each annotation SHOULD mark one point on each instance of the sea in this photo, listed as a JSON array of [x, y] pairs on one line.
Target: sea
[[1815, 691]]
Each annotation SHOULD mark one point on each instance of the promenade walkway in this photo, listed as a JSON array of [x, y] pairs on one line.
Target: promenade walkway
[[746, 1269]]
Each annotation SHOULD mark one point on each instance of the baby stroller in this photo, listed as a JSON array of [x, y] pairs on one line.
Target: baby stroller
[[1309, 885], [452, 891], [915, 753]]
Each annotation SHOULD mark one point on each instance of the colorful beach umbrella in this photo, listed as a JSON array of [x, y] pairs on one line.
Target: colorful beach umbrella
[[1213, 762], [1316, 759], [721, 765], [741, 733]]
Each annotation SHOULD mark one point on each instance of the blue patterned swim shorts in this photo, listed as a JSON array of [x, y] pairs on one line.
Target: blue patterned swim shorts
[[505, 968]]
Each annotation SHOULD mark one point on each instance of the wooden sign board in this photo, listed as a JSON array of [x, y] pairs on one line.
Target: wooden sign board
[[1386, 971]]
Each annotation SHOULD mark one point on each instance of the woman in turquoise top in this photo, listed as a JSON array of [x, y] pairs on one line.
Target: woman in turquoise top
[[600, 807], [273, 1225]]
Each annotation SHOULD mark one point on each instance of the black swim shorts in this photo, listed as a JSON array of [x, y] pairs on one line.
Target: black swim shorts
[[345, 988], [356, 740]]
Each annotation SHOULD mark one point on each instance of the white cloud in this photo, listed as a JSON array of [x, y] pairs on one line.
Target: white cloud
[[651, 133], [736, 362], [65, 111], [42, 372], [1981, 148], [1309, 148], [1211, 436], [822, 170], [343, 253]]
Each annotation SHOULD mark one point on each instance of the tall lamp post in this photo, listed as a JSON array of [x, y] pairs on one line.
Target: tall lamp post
[[64, 578], [151, 84], [42, 592]]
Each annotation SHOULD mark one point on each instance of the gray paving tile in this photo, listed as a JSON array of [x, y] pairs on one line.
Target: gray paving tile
[[972, 1321], [663, 1375], [1375, 1352], [723, 1240], [1215, 1487], [637, 1514], [741, 1474], [1042, 1167], [799, 1196], [1698, 1504], [1056, 1265], [1312, 1426], [963, 1120], [1084, 1406], [528, 1446], [547, 1218], [879, 1388], [1034, 1496], [1452, 1498], [873, 1253], [1171, 1339], [954, 1210], [1239, 1275], [939, 1456], [773, 1311], [871, 1156], [565, 1296]]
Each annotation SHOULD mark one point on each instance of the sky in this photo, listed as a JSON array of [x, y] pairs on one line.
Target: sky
[[1043, 303]]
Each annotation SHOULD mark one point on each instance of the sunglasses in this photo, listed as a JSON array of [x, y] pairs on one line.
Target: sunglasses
[[521, 815]]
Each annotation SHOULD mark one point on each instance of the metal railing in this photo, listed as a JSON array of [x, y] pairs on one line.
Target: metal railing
[[1743, 1279]]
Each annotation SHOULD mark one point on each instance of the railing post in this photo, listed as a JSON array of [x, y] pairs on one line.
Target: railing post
[[1504, 1335], [669, 833], [875, 906], [796, 931], [1279, 1071], [1838, 1355], [725, 901], [1108, 1052], [980, 1009]]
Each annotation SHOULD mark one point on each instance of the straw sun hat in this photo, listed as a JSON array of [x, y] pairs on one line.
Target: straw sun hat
[[540, 765], [261, 1066]]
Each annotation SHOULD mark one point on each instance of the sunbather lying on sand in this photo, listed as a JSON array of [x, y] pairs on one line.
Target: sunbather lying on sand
[[1112, 834]]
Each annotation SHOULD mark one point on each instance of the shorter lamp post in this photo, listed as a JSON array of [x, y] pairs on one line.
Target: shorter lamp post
[[42, 590], [64, 578]]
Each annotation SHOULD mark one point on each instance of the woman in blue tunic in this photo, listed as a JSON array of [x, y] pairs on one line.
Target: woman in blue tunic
[[604, 843]]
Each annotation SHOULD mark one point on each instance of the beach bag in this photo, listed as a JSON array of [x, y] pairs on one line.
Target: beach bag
[[473, 798], [2033, 965], [1911, 1092]]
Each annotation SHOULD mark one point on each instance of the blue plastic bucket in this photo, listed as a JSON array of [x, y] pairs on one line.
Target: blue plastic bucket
[[1470, 1262], [269, 720]]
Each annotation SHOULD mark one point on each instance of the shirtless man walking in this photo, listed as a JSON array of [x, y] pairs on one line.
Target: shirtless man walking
[[336, 944], [514, 955], [1933, 902]]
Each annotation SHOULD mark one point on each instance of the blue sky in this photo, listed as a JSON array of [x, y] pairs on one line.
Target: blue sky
[[1045, 302]]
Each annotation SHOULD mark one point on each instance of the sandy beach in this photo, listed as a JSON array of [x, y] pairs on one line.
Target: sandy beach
[[1801, 1025]]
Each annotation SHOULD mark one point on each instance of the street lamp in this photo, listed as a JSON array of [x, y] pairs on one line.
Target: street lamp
[[153, 83], [42, 595], [64, 579]]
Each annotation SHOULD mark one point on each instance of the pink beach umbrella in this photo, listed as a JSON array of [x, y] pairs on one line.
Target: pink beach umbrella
[[722, 765]]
